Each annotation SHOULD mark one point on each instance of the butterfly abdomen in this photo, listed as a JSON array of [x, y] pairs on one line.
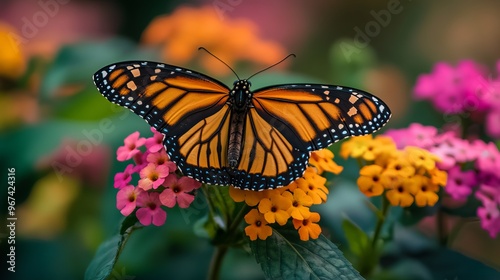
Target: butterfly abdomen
[[235, 139]]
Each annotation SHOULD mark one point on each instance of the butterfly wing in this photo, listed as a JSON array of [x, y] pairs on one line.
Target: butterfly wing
[[287, 122], [188, 107]]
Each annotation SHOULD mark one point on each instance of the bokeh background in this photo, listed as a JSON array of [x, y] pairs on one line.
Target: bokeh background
[[52, 117]]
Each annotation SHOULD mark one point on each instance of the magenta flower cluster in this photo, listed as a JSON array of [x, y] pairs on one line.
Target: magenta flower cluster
[[473, 167], [466, 89], [158, 183]]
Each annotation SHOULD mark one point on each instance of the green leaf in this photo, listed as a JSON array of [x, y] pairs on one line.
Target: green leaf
[[284, 256], [222, 203], [357, 239], [107, 254]]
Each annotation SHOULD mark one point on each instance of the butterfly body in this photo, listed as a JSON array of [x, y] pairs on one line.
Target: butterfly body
[[252, 140]]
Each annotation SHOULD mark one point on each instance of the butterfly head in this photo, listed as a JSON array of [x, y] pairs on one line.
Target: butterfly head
[[241, 95]]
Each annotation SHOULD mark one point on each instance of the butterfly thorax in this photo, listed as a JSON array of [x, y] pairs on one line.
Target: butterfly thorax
[[239, 100]]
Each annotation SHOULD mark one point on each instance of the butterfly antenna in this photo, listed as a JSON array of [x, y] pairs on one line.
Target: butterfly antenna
[[272, 65], [202, 48]]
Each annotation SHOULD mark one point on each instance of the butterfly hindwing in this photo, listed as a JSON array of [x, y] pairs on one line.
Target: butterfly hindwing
[[201, 152], [268, 160]]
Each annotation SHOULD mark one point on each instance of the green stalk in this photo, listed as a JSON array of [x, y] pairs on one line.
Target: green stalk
[[380, 220], [216, 262], [221, 250]]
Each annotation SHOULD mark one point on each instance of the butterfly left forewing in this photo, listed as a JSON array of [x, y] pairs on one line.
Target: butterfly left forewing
[[169, 98]]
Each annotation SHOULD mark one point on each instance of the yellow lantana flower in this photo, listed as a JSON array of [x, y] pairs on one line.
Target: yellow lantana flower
[[403, 176]]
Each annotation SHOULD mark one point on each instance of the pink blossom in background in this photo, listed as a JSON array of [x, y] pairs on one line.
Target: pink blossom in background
[[452, 89], [488, 157], [460, 183], [493, 123], [415, 135], [473, 167], [131, 147], [150, 211], [178, 191]]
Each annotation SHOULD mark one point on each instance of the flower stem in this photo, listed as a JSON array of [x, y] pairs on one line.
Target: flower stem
[[216, 262], [238, 218], [441, 228], [380, 220]]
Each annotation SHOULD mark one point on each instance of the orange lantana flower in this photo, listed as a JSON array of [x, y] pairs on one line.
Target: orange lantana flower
[[275, 208], [257, 226], [293, 201], [308, 228], [300, 204]]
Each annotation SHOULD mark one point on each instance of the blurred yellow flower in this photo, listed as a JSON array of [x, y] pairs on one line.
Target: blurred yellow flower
[[369, 181], [403, 176], [12, 60], [181, 33], [44, 213], [399, 194], [366, 147]]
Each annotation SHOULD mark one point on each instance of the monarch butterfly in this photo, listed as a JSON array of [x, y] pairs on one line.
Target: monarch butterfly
[[252, 140]]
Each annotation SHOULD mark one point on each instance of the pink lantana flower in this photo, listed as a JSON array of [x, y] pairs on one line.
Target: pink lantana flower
[[178, 191], [140, 160], [452, 89], [488, 157], [132, 143], [126, 199], [150, 209], [161, 158], [493, 123], [123, 178], [152, 176], [415, 135], [460, 183], [155, 143]]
